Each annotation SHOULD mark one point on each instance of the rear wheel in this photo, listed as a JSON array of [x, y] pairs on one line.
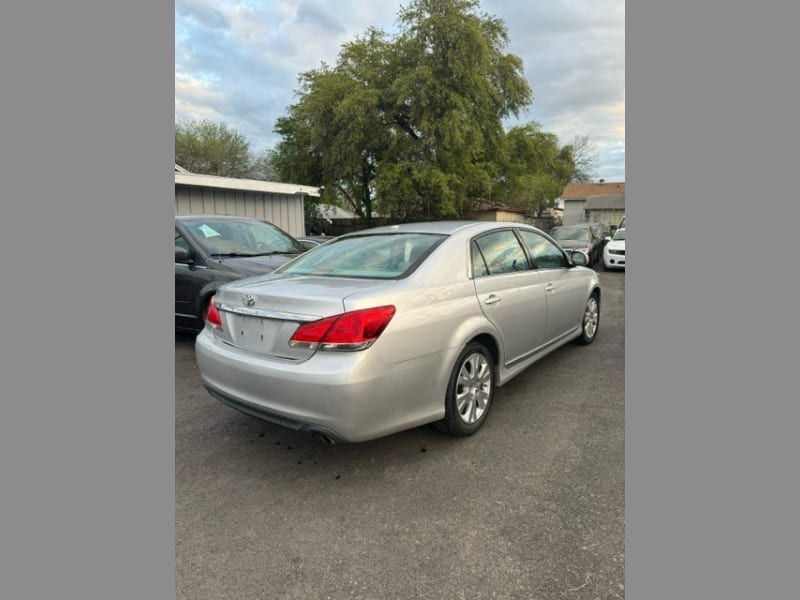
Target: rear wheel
[[470, 391], [591, 320]]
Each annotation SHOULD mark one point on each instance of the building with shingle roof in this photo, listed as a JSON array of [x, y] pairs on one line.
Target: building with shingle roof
[[599, 202]]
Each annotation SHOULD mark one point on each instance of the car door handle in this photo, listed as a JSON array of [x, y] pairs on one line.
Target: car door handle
[[550, 288], [492, 299]]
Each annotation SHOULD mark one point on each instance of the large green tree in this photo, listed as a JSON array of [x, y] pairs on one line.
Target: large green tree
[[532, 169], [212, 148], [409, 125], [334, 136]]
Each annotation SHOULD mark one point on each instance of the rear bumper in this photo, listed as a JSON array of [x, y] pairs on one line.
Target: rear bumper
[[345, 396], [261, 413]]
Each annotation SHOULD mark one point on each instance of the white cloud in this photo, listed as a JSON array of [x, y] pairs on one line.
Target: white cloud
[[196, 100]]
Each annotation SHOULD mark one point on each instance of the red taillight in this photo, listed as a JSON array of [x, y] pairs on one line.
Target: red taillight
[[212, 314], [354, 330]]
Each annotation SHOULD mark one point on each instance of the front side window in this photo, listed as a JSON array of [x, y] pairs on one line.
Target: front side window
[[501, 252], [545, 253], [180, 242]]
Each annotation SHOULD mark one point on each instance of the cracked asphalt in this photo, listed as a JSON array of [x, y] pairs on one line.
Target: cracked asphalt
[[530, 507]]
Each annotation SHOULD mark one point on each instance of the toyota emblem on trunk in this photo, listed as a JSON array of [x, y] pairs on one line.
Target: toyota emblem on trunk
[[248, 300]]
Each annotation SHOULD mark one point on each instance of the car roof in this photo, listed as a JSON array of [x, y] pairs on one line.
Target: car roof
[[441, 227]]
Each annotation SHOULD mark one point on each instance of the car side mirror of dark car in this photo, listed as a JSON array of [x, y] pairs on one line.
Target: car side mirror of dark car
[[182, 255], [307, 245]]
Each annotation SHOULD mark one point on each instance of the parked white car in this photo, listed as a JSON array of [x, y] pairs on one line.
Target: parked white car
[[614, 251]]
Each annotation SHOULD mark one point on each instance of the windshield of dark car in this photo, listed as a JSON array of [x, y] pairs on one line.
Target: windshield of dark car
[[571, 233], [230, 237], [371, 256]]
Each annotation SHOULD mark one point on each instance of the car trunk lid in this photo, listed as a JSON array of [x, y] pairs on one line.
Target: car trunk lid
[[260, 315]]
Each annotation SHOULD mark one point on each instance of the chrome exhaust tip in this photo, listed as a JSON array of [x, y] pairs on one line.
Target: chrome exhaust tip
[[325, 439]]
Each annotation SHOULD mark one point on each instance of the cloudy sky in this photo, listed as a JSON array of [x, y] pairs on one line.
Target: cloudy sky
[[237, 61]]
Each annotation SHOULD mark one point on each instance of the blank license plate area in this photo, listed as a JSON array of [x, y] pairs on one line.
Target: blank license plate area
[[255, 333]]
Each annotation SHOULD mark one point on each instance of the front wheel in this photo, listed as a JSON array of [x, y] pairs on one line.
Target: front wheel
[[591, 320], [470, 391]]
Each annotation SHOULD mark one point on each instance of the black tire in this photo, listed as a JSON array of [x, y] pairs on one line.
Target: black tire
[[469, 392], [590, 321]]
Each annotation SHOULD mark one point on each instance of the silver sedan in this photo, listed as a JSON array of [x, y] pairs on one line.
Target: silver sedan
[[395, 327]]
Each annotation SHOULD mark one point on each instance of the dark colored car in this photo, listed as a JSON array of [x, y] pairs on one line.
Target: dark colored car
[[312, 241], [601, 232], [583, 237], [211, 250]]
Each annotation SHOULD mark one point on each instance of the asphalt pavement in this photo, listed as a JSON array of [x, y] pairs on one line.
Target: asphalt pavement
[[530, 507]]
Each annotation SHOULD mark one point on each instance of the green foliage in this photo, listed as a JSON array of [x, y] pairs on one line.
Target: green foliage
[[409, 127], [412, 125], [211, 148], [532, 169]]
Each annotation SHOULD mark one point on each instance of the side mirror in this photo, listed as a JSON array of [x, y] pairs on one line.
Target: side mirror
[[607, 238], [181, 255], [307, 245], [579, 258]]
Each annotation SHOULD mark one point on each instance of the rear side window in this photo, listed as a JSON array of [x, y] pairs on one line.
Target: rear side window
[[501, 253], [479, 268], [379, 256]]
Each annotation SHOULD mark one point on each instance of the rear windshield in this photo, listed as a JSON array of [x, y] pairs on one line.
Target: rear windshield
[[376, 256]]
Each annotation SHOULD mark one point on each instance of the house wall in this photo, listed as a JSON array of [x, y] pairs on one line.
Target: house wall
[[606, 216], [573, 212], [501, 216], [285, 211]]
